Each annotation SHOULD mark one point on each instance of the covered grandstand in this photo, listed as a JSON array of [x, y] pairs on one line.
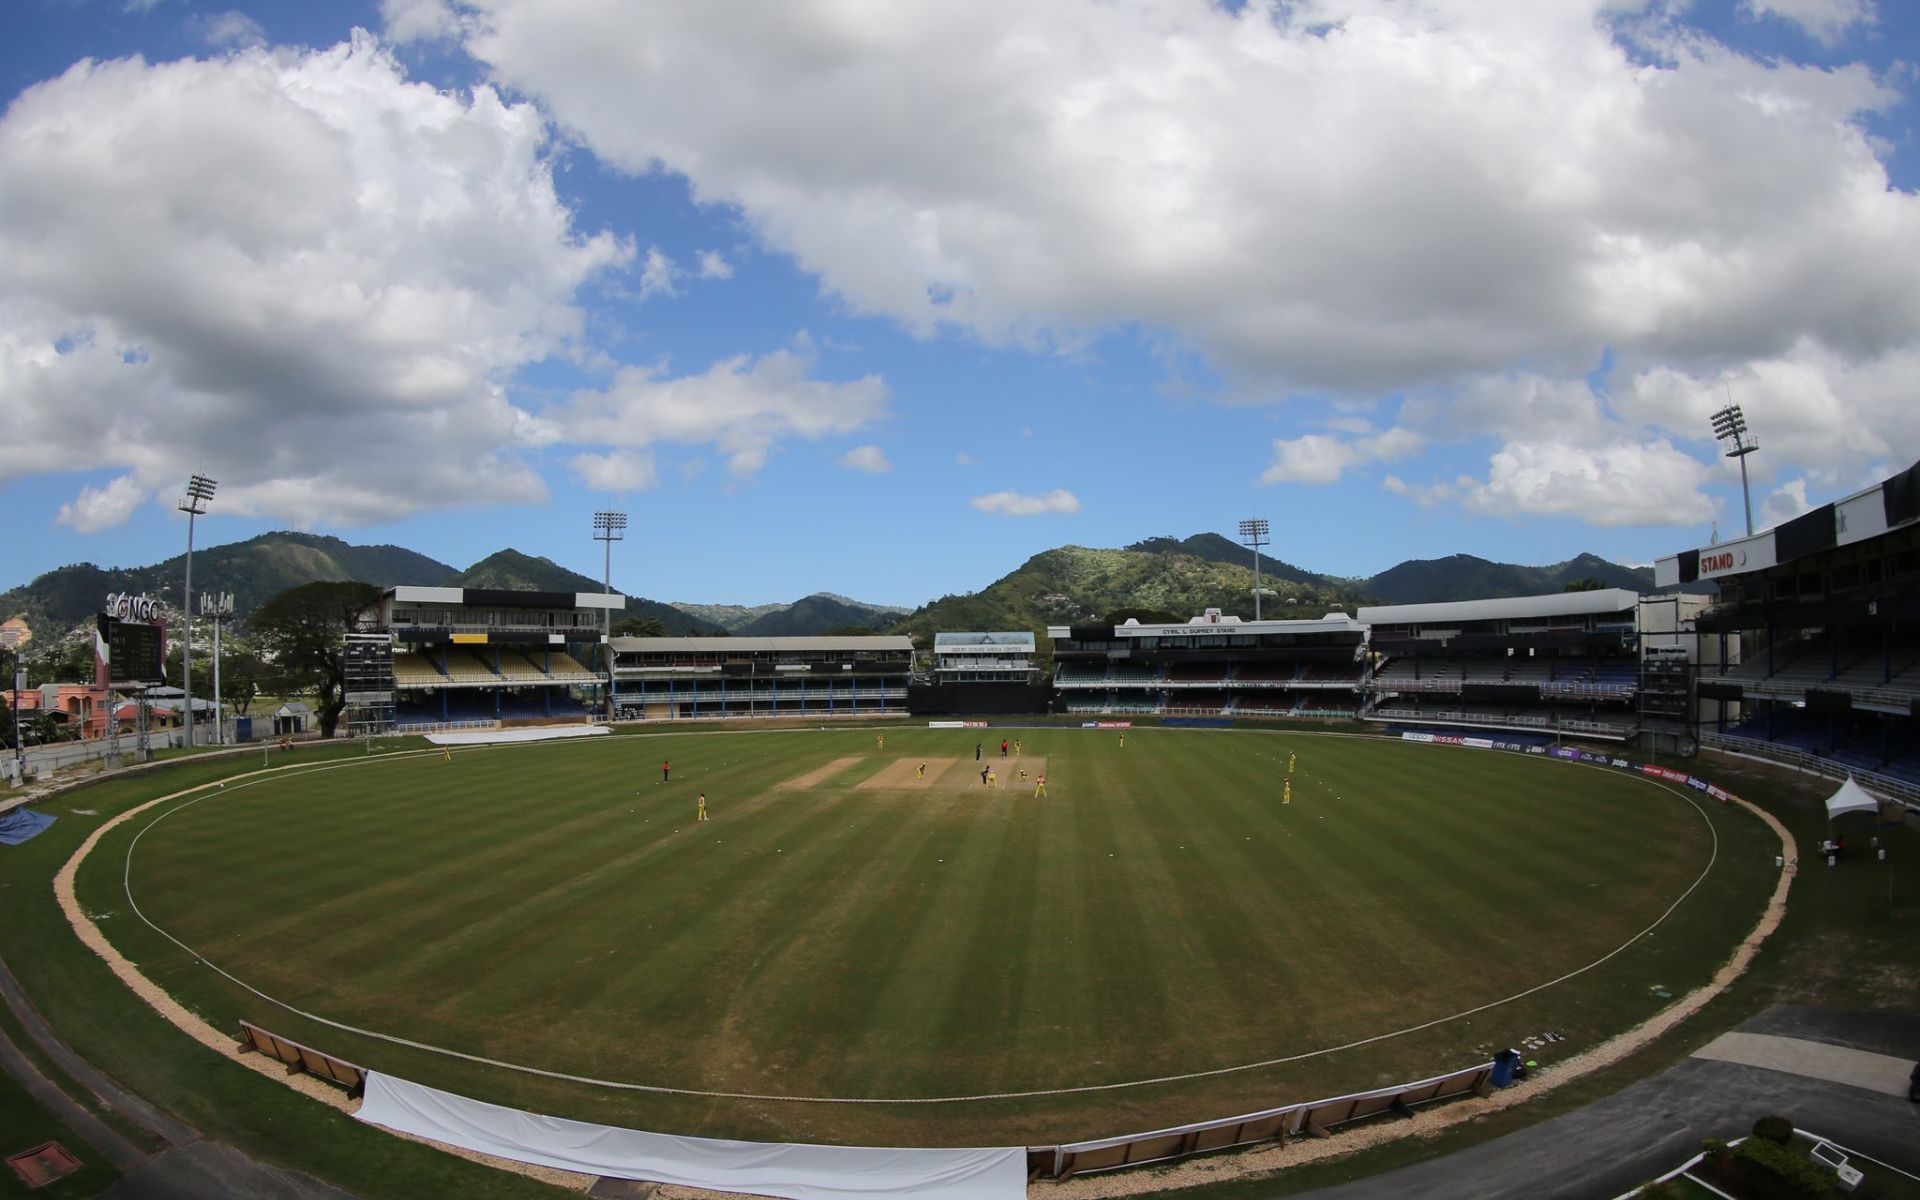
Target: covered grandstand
[[1827, 607], [464, 657], [707, 678], [1566, 664], [1211, 666]]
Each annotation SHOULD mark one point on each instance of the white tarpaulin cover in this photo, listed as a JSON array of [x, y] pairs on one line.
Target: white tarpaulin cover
[[535, 733], [1850, 798], [764, 1168]]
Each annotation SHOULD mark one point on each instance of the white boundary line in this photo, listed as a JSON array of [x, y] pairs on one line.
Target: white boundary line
[[660, 1089]]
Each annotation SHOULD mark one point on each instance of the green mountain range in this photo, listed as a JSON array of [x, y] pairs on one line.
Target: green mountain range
[[254, 571], [1180, 577], [1464, 577], [512, 571], [259, 568], [1074, 583], [805, 617]]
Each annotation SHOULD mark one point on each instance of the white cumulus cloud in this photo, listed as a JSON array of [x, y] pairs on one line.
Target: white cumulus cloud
[[1318, 458], [230, 29], [1783, 504], [1013, 504], [1622, 484], [657, 275], [103, 508], [871, 459], [294, 269], [406, 21], [616, 471], [1826, 21], [743, 406], [1434, 191], [713, 265]]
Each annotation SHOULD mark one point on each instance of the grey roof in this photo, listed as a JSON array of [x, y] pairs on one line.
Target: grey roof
[[762, 645], [1020, 638], [1505, 608]]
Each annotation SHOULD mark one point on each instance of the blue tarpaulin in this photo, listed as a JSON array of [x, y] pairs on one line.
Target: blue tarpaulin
[[19, 825]]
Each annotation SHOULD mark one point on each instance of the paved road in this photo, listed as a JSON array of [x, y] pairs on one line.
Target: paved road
[[1613, 1145], [189, 1168]]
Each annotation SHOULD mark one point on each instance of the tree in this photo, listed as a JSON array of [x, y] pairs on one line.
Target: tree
[[849, 631], [639, 627], [1589, 584], [303, 632], [242, 675]]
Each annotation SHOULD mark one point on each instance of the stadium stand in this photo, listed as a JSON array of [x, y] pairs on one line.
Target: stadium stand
[[729, 678], [1825, 612], [461, 657], [1213, 665], [1563, 662]]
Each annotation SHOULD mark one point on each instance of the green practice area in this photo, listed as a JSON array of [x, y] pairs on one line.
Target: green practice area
[[848, 925]]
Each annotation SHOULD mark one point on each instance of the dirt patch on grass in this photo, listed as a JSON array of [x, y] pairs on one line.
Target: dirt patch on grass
[[818, 775], [905, 774], [964, 774]]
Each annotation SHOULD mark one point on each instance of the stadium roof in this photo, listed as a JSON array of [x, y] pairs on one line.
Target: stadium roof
[[1214, 625], [504, 598], [1506, 608], [762, 645], [1868, 513], [949, 641]]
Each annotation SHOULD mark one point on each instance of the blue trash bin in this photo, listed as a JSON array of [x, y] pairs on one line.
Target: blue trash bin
[[243, 729], [1505, 1063]]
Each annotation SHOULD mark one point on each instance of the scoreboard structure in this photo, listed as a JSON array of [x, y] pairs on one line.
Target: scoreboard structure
[[130, 643]]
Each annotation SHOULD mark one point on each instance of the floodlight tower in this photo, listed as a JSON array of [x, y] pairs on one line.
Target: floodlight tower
[[608, 527], [1730, 427], [1253, 532], [217, 605], [194, 503], [19, 685]]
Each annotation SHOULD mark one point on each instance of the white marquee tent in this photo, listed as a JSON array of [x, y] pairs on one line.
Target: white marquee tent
[[1850, 798]]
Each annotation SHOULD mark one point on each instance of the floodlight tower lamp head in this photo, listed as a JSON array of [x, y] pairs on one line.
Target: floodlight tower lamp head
[[199, 491], [1730, 425]]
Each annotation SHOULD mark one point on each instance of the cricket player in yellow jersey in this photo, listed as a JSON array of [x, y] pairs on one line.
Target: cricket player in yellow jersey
[[700, 813], [1042, 789], [1289, 764], [1286, 792]]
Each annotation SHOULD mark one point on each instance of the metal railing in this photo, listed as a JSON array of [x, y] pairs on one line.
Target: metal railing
[[1813, 764]]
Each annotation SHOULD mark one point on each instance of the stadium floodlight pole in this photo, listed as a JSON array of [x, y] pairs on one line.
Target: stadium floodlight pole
[[217, 605], [1730, 426], [1253, 532], [19, 747], [194, 503], [608, 527]]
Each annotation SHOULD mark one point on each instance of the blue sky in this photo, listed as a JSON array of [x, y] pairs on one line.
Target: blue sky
[[883, 299]]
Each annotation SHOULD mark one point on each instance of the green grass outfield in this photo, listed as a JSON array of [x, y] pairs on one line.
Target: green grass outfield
[[837, 931]]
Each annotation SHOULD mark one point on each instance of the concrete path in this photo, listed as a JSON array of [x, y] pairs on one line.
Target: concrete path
[[189, 1168], [1881, 1073], [1613, 1145]]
